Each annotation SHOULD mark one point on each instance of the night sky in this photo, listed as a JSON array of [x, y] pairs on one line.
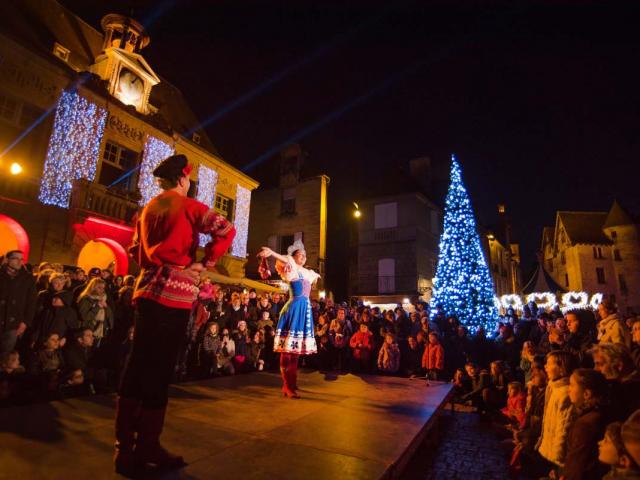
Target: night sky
[[539, 101]]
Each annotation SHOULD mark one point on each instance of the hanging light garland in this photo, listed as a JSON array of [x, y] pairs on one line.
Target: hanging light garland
[[155, 150], [207, 183], [74, 147], [241, 222]]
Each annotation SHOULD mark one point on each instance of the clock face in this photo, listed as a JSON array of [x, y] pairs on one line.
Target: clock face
[[130, 88]]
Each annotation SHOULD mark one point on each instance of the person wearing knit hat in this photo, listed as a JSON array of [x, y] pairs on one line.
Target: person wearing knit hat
[[165, 242]]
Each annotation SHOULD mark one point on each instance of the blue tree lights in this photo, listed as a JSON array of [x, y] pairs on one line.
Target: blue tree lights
[[463, 284], [74, 147]]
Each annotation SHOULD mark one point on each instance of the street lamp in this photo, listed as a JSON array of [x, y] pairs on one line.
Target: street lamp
[[356, 213], [15, 168]]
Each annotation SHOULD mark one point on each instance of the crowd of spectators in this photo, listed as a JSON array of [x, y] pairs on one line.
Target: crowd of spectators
[[561, 389]]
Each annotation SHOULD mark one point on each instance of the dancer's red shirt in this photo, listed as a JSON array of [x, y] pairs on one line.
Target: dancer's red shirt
[[165, 242]]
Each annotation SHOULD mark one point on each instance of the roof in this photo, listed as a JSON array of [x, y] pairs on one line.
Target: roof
[[37, 24], [548, 233], [585, 227], [617, 216], [541, 281]]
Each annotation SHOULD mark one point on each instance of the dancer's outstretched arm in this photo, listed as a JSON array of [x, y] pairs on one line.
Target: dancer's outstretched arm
[[267, 252]]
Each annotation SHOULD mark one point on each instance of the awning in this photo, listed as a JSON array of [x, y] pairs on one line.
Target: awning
[[242, 282]]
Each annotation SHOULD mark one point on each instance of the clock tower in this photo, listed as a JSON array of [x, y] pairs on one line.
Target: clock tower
[[130, 78]]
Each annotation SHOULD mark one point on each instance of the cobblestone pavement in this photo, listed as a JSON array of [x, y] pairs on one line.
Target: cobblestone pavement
[[466, 449]]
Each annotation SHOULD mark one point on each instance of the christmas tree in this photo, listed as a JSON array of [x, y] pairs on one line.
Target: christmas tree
[[463, 286]]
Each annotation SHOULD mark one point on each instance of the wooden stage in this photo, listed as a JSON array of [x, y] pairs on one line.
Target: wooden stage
[[344, 427]]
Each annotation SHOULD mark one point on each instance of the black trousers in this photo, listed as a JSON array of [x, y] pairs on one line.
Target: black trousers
[[159, 332]]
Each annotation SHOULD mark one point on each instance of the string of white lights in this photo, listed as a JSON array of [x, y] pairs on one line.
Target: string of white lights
[[241, 222], [155, 150]]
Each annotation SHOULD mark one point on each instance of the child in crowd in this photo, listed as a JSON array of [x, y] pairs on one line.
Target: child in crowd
[[227, 353], [433, 358], [558, 409], [412, 358], [361, 344], [526, 360], [340, 342], [389, 355], [211, 345], [514, 412], [588, 391], [494, 396], [10, 364], [614, 452]]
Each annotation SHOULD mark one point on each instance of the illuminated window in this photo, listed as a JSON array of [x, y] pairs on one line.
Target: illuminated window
[[116, 162], [224, 206]]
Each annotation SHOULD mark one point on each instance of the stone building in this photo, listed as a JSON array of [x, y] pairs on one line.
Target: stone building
[[84, 120], [503, 255], [596, 252], [397, 238], [289, 208]]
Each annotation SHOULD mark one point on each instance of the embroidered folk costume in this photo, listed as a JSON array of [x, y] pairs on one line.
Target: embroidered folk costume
[[294, 332], [164, 245]]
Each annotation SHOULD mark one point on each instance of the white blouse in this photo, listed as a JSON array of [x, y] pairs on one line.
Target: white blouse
[[295, 271]]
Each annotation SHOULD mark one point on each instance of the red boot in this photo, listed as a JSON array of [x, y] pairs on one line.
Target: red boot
[[127, 413], [285, 372], [293, 372], [148, 449]]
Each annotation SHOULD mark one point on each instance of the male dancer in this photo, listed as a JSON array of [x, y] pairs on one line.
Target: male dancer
[[164, 245]]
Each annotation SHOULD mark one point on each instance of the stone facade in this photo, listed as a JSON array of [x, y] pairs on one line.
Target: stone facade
[[596, 252], [397, 247]]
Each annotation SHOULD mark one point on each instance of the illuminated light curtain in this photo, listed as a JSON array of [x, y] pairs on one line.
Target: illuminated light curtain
[[463, 284], [207, 182], [74, 147], [155, 150], [241, 222]]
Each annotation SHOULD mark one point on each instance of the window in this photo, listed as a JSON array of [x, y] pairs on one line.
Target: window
[[623, 283], [386, 215], [285, 242], [196, 138], [116, 162], [224, 206], [550, 265], [597, 252], [616, 255], [563, 259], [566, 279], [600, 275], [288, 204], [9, 109], [386, 275], [61, 52]]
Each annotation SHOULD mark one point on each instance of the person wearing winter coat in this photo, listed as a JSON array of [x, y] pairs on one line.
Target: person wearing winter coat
[[94, 310], [361, 344], [433, 357], [17, 300], [58, 316], [558, 409], [211, 346], [389, 355], [579, 340], [227, 353], [514, 411], [611, 329], [588, 393]]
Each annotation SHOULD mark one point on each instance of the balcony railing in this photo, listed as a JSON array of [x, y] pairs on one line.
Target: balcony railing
[[96, 198]]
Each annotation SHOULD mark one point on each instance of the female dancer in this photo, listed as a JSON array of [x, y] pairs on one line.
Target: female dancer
[[294, 333]]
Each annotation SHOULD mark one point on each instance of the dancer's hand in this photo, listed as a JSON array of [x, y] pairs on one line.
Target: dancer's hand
[[265, 252], [194, 271]]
